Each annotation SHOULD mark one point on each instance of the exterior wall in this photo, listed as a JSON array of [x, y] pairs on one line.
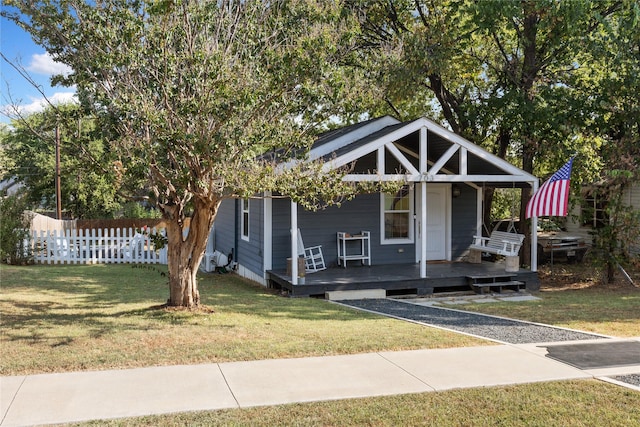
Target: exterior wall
[[225, 227], [281, 235], [320, 228], [248, 254], [631, 197], [363, 213], [575, 228], [463, 221]]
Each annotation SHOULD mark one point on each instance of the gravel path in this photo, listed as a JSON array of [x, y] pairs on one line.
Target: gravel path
[[493, 328], [633, 379]]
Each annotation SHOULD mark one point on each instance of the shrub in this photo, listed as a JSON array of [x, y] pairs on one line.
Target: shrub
[[14, 230]]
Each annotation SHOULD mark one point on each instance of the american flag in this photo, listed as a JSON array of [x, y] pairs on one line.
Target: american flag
[[552, 198]]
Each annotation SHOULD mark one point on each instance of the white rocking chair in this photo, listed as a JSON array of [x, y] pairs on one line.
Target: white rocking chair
[[313, 259]]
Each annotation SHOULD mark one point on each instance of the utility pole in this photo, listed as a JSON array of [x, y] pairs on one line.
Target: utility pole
[[58, 191]]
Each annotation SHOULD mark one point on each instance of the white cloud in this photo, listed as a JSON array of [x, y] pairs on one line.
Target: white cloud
[[38, 104], [43, 63]]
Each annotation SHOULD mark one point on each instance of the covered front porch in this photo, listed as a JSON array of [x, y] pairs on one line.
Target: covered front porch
[[401, 279], [432, 217]]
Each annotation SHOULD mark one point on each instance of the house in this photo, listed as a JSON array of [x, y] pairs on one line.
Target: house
[[426, 227], [589, 213]]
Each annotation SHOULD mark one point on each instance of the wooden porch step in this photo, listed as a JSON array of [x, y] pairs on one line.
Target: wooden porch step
[[487, 283], [514, 285], [355, 294]]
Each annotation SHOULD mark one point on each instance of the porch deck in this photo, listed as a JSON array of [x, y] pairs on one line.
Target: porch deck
[[398, 279]]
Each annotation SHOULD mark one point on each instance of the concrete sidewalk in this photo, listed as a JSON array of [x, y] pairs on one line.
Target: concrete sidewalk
[[81, 396]]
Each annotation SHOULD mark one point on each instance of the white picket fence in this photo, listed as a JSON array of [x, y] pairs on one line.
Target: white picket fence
[[96, 246]]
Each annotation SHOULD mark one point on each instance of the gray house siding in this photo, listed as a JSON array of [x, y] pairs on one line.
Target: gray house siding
[[463, 221], [281, 235], [320, 228], [225, 227], [574, 225], [250, 253], [227, 234]]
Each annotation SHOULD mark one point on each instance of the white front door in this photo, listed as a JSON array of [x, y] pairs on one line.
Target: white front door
[[437, 228]]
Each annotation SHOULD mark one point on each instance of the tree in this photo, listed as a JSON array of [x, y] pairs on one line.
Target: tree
[[200, 92], [14, 230], [612, 85], [89, 186], [500, 73]]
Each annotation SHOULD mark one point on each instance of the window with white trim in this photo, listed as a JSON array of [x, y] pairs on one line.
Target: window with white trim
[[397, 216], [245, 219]]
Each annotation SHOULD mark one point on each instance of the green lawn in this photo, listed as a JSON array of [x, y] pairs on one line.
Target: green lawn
[[572, 297], [562, 404], [67, 318], [91, 317]]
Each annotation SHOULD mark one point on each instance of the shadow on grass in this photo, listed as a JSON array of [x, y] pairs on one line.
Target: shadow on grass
[[40, 301]]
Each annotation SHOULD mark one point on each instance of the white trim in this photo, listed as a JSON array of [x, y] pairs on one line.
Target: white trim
[[534, 235], [369, 177], [422, 203], [402, 159], [478, 178], [381, 165], [423, 230], [463, 161], [372, 146], [422, 157], [475, 149], [408, 151], [479, 211], [244, 237], [398, 241], [248, 274], [443, 159], [294, 243], [514, 173]]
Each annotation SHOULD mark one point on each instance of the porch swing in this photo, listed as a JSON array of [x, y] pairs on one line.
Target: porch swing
[[511, 228], [506, 243]]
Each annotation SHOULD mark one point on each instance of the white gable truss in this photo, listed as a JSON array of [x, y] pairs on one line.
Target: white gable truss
[[414, 162]]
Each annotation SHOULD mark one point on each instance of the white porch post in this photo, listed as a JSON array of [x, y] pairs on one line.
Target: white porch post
[[294, 243], [534, 235], [480, 210], [423, 229], [423, 164], [534, 243]]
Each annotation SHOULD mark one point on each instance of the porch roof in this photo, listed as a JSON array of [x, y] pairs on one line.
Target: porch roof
[[419, 150]]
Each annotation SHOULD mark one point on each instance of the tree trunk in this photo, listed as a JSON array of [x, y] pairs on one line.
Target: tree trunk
[[528, 154], [185, 253], [528, 76]]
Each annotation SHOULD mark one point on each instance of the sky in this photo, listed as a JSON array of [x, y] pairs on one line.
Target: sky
[[18, 47]]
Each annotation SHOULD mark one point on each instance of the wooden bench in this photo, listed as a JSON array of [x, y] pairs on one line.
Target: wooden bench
[[499, 243]]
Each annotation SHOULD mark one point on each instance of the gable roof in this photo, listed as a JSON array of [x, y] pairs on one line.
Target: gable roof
[[419, 150], [331, 141]]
